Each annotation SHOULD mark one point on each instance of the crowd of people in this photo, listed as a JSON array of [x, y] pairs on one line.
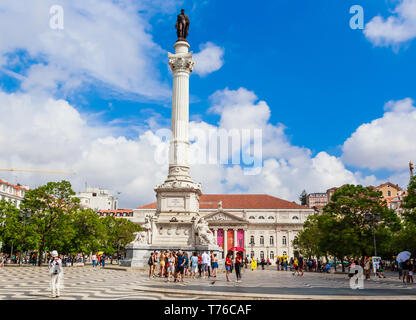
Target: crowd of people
[[177, 265]]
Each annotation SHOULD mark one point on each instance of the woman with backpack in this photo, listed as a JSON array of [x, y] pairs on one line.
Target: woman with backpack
[[57, 274]]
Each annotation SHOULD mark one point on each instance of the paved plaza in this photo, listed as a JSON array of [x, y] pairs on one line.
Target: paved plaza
[[87, 283]]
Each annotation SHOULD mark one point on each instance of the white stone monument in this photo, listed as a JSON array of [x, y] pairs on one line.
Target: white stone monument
[[177, 223]]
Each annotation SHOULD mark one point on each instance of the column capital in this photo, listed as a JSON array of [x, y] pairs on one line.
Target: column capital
[[181, 62]]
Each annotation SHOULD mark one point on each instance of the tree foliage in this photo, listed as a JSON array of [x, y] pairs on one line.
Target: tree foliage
[[348, 224], [51, 218]]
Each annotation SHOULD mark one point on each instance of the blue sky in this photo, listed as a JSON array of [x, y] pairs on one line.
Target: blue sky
[[321, 81]]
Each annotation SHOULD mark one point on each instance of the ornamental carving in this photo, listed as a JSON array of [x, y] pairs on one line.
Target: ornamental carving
[[220, 217], [181, 62]]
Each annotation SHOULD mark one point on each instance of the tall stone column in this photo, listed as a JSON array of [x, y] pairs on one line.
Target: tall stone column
[[179, 194], [235, 238], [225, 242], [182, 65], [216, 235]]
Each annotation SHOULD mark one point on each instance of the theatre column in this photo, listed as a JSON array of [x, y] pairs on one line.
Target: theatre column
[[225, 242], [235, 238]]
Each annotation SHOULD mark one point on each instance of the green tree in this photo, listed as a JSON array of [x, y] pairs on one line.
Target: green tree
[[308, 239], [89, 232], [11, 230], [302, 198], [406, 239], [362, 211], [50, 208], [118, 233]]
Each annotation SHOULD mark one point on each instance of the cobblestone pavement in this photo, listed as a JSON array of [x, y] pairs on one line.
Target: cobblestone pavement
[[87, 283]]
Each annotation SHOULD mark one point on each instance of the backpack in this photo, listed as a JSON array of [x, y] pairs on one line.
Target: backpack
[[56, 269]]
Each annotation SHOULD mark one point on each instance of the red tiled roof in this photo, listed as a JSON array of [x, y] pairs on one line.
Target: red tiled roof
[[15, 187], [240, 201], [116, 211]]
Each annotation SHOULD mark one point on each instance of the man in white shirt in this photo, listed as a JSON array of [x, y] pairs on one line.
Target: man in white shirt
[[206, 261], [56, 273]]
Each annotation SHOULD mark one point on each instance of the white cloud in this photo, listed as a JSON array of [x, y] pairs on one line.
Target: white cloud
[[102, 39], [287, 170], [43, 133], [52, 134], [397, 28], [209, 59], [384, 143]]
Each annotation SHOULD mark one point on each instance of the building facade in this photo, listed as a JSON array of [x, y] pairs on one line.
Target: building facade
[[12, 193], [316, 200], [97, 199], [264, 226]]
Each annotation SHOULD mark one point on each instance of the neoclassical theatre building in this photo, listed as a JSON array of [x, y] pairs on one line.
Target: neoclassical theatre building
[[261, 224]]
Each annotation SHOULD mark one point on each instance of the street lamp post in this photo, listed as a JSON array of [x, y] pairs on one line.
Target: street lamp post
[[373, 218]]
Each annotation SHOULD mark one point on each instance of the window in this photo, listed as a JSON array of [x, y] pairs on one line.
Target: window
[[295, 218], [251, 217], [261, 240], [261, 254], [261, 217], [252, 254], [271, 255], [284, 253], [270, 218], [284, 240], [389, 193], [271, 240], [94, 194], [251, 239]]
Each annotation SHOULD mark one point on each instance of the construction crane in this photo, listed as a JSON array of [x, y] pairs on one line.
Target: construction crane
[[34, 170]]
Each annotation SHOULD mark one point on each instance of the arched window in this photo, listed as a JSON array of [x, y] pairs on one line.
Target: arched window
[[251, 239], [284, 240], [271, 218], [261, 254], [271, 255], [261, 240], [261, 217], [295, 218], [284, 253], [389, 193], [271, 240], [252, 254], [251, 217]]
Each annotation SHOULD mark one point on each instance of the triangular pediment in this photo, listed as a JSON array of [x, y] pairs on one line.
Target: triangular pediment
[[223, 216]]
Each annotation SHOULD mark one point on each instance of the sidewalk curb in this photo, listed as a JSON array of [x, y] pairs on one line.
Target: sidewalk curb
[[260, 296]]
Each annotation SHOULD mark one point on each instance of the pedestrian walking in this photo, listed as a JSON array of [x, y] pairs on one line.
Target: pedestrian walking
[[301, 262], [94, 260], [253, 264], [238, 263], [214, 265], [406, 268], [228, 266], [162, 264], [150, 263], [170, 266], [199, 265], [57, 274], [194, 265], [367, 268], [180, 266], [205, 263]]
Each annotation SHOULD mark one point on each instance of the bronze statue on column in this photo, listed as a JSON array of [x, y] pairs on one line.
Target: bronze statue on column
[[182, 26]]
